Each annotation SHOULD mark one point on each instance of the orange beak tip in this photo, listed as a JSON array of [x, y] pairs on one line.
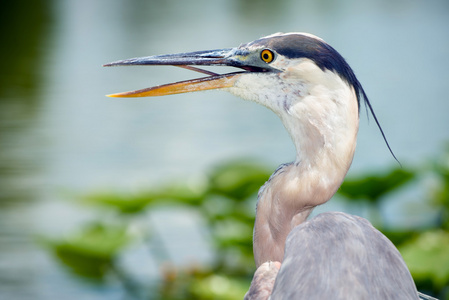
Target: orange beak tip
[[113, 95], [121, 95]]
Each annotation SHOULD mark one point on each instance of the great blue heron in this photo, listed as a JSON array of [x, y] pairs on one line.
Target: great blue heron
[[313, 90]]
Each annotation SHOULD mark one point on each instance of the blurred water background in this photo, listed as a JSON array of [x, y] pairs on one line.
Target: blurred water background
[[61, 137]]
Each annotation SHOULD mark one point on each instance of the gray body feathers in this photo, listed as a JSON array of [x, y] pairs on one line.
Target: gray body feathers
[[341, 256]]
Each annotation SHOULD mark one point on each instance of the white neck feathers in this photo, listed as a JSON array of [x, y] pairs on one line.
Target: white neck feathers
[[321, 115]]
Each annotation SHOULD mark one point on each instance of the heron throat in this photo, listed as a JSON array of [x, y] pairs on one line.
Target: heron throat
[[321, 116]]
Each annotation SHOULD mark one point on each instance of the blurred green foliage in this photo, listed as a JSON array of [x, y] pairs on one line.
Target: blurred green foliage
[[226, 202], [373, 187], [427, 256], [91, 251]]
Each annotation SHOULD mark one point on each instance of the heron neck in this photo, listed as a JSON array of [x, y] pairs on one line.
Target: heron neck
[[325, 139]]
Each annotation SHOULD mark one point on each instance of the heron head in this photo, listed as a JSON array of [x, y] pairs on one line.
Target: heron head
[[268, 64], [277, 71]]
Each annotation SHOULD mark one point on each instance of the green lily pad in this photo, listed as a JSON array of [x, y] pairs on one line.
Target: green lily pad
[[91, 251], [373, 187], [427, 256]]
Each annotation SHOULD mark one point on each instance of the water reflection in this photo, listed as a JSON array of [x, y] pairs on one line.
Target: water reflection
[[23, 35]]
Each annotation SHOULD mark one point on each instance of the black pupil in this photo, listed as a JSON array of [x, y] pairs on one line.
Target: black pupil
[[266, 56]]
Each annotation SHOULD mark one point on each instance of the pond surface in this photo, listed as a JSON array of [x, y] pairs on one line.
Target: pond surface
[[61, 137]]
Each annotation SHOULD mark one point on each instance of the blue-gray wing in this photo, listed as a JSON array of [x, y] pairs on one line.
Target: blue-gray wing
[[340, 256], [425, 297]]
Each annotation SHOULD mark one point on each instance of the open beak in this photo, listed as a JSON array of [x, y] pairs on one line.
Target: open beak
[[233, 57]]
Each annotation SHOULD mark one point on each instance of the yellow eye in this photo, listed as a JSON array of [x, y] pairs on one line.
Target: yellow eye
[[267, 56]]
